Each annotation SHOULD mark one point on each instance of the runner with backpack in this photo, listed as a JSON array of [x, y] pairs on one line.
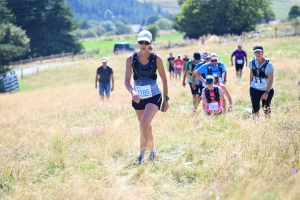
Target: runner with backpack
[[146, 94], [212, 97], [189, 70], [261, 82], [210, 68]]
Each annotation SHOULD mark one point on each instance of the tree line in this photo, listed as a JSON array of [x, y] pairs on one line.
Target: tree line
[[32, 28], [130, 11], [201, 17]]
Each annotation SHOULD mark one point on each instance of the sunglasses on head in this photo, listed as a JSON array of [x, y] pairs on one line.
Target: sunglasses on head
[[207, 58], [144, 42], [214, 60]]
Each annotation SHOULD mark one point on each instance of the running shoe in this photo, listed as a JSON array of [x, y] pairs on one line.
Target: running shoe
[[140, 159], [152, 156]]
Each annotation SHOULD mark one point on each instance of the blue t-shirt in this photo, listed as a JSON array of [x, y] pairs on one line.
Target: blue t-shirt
[[257, 82], [198, 66], [203, 70]]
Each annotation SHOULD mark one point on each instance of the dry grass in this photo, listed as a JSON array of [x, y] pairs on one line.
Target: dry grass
[[58, 141]]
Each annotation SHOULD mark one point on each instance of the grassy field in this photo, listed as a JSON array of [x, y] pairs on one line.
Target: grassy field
[[59, 141], [106, 45]]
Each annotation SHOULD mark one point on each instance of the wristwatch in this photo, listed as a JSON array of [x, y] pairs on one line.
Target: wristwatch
[[166, 98], [266, 92]]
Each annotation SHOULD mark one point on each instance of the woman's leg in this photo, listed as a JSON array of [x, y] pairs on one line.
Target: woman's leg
[[145, 127], [255, 100], [146, 137], [266, 104]]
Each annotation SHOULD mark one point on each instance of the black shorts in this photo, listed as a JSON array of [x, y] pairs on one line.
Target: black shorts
[[171, 69], [198, 90], [156, 100], [239, 66]]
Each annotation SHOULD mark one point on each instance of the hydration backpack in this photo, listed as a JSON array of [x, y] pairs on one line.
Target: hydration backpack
[[193, 67], [142, 72], [262, 70], [209, 70], [216, 93]]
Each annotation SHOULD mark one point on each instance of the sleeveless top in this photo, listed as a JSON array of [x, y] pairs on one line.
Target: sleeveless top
[[146, 82]]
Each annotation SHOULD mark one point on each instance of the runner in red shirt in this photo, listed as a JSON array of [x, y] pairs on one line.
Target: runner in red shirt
[[178, 64]]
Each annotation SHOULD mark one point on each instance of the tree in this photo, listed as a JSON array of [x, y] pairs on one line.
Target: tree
[[13, 43], [201, 17], [153, 28], [5, 13], [164, 24], [152, 19], [294, 12], [49, 25], [108, 14], [122, 28]]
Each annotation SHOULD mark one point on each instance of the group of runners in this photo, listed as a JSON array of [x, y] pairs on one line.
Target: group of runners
[[206, 75]]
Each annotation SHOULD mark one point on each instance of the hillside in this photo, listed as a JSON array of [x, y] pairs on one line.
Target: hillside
[[281, 8], [59, 141]]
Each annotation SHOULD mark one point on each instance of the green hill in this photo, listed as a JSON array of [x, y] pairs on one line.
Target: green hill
[[281, 8]]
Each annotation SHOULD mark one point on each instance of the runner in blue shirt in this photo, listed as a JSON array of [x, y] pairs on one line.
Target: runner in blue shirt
[[213, 67]]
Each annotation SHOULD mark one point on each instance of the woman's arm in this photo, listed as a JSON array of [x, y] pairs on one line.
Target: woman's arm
[[269, 86], [251, 76], [162, 74], [227, 95], [128, 73]]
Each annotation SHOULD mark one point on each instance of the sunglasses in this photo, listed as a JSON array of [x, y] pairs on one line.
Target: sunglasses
[[214, 60], [144, 42]]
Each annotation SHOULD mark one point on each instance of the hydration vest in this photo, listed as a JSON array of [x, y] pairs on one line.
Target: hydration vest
[[262, 70], [216, 93], [144, 72], [209, 70], [193, 67]]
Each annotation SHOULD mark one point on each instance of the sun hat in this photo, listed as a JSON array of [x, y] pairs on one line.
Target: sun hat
[[104, 59], [145, 35]]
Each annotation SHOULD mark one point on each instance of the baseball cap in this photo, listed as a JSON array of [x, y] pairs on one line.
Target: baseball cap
[[214, 56], [145, 35], [179, 56], [258, 48], [202, 55], [197, 56], [239, 45], [209, 79], [104, 59]]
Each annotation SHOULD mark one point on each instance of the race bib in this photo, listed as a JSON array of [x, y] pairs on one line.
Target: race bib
[[260, 84], [213, 106], [144, 92], [239, 61]]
